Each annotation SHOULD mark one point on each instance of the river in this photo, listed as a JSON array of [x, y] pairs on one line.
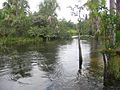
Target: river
[[51, 66]]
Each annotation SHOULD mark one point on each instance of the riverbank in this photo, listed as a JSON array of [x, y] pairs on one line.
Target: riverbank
[[18, 40]]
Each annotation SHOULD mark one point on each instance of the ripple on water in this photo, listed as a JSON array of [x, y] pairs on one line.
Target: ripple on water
[[50, 66]]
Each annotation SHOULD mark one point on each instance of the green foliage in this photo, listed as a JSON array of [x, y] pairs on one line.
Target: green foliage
[[72, 32], [114, 67], [17, 21], [94, 6], [85, 26], [14, 20], [107, 27], [34, 31], [66, 29], [17, 40], [21, 25]]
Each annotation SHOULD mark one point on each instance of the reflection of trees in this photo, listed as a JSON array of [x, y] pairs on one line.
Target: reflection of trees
[[13, 56], [95, 66], [49, 51], [4, 61], [20, 66], [20, 60]]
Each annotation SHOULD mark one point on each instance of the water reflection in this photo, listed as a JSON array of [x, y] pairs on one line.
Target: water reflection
[[20, 66], [50, 66]]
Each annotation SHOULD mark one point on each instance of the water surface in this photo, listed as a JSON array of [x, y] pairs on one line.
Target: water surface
[[51, 66]]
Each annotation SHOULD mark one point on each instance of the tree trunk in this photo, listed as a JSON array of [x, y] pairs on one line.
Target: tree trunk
[[80, 53], [118, 7], [118, 13], [112, 27], [112, 6]]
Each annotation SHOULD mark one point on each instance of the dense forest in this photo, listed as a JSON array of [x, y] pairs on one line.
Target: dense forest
[[16, 20]]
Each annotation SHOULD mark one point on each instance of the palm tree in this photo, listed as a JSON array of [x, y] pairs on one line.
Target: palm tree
[[24, 7], [16, 6], [48, 8]]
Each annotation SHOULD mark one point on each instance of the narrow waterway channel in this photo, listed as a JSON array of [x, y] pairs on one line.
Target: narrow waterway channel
[[51, 66]]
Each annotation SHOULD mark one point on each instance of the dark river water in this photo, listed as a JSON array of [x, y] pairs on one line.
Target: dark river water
[[51, 66]]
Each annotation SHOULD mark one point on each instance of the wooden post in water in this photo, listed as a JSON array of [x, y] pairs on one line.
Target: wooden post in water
[[80, 53], [79, 47]]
